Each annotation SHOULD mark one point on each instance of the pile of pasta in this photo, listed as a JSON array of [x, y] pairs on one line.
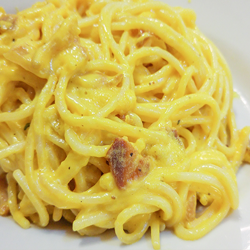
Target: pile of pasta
[[116, 115]]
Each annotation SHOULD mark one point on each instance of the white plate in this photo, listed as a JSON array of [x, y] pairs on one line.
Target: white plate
[[227, 24]]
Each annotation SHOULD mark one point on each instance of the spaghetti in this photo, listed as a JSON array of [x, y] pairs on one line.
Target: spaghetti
[[116, 115]]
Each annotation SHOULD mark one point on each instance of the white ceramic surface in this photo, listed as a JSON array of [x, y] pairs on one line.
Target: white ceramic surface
[[227, 24]]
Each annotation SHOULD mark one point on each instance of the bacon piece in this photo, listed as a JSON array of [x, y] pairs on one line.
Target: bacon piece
[[126, 163], [4, 208]]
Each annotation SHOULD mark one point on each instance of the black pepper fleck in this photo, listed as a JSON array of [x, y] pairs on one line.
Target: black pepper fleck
[[26, 126]]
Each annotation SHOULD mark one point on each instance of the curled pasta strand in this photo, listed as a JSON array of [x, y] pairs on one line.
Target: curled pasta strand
[[36, 202], [12, 202], [128, 213]]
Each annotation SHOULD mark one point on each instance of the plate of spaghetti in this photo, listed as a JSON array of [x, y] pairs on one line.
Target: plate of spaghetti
[[124, 124]]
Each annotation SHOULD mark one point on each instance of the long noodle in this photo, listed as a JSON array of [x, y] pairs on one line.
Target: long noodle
[[116, 115]]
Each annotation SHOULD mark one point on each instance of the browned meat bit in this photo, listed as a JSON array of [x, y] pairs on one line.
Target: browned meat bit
[[175, 134], [126, 163], [4, 208]]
